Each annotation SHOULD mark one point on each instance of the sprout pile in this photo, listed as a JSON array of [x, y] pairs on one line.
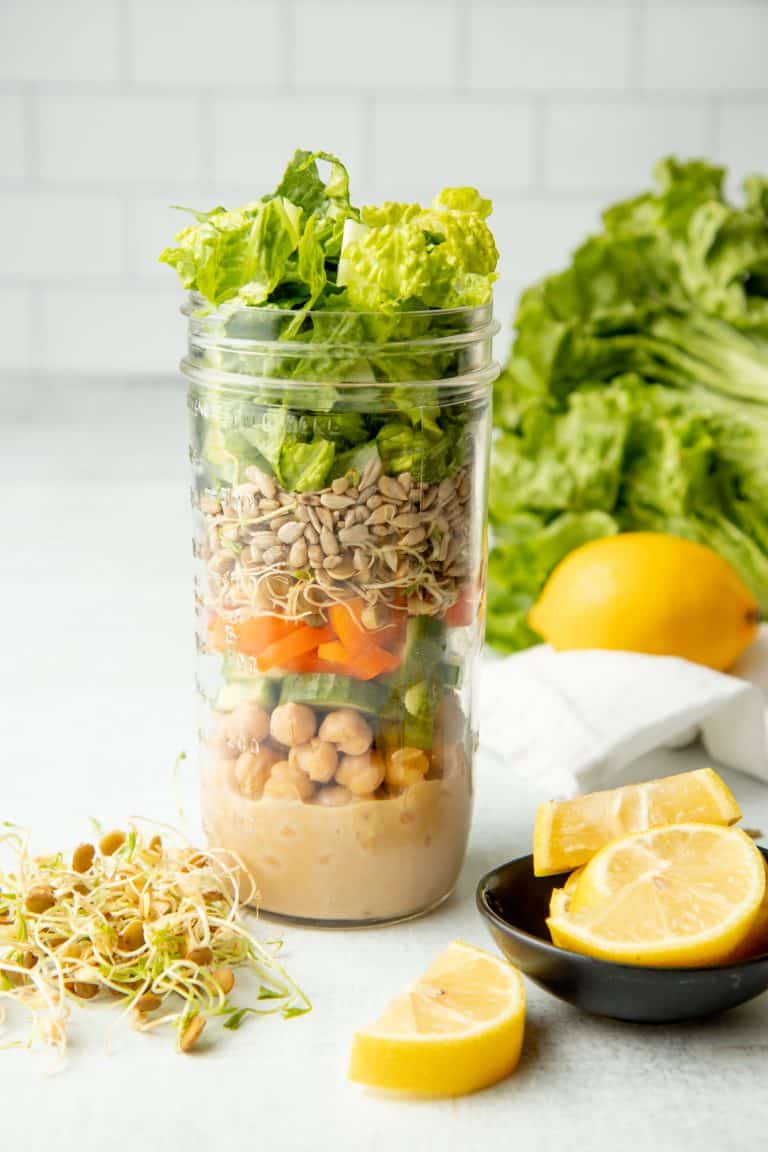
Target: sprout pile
[[147, 919]]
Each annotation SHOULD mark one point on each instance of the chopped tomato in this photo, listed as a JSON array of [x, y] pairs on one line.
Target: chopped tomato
[[365, 665], [347, 622], [249, 636], [464, 611], [300, 640], [373, 662], [335, 652]]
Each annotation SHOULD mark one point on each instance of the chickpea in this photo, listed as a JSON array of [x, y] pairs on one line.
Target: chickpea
[[362, 775], [246, 727], [287, 782], [292, 724], [318, 759], [349, 730], [252, 770], [334, 796], [406, 767]]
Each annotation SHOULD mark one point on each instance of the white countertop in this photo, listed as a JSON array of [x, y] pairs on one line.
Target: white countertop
[[96, 672]]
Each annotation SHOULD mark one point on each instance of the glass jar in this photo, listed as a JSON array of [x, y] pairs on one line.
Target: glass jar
[[339, 486]]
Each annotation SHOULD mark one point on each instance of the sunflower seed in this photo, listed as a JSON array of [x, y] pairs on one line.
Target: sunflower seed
[[325, 517], [389, 556], [264, 483], [381, 515], [310, 535], [328, 542], [446, 489], [388, 486], [332, 562], [332, 501], [297, 557], [355, 535], [407, 520], [412, 538], [371, 472], [315, 554], [264, 540], [340, 485], [274, 555], [290, 532]]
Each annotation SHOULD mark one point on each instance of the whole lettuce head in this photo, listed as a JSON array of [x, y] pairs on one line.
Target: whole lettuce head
[[636, 393]]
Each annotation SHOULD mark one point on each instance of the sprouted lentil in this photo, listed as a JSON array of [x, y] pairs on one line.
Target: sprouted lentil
[[146, 918]]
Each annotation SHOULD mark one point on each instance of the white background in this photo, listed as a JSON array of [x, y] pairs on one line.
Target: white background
[[110, 110]]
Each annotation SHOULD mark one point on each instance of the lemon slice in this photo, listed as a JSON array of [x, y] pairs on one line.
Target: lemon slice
[[755, 943], [457, 1029], [686, 895], [569, 832], [560, 900]]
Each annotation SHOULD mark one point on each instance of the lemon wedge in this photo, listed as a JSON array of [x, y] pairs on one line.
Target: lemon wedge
[[567, 833], [686, 895], [457, 1029]]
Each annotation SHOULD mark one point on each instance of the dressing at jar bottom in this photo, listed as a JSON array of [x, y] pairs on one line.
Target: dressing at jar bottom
[[370, 860]]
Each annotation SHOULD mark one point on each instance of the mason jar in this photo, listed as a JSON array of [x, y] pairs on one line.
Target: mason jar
[[339, 468]]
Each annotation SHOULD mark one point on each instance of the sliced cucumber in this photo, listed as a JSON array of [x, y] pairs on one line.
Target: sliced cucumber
[[324, 690], [452, 673], [260, 690]]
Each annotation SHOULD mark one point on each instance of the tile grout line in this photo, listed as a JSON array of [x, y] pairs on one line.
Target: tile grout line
[[287, 25], [462, 26], [540, 122], [637, 33]]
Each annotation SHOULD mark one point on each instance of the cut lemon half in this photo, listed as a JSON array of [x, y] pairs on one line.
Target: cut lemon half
[[682, 896], [457, 1029], [569, 832]]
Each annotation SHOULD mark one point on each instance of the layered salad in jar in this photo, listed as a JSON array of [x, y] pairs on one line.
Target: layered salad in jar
[[339, 364]]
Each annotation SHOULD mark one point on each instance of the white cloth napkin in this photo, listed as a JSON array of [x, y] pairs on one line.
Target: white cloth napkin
[[569, 721]]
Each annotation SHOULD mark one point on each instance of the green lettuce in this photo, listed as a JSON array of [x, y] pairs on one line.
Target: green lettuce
[[285, 249], [637, 391], [406, 256]]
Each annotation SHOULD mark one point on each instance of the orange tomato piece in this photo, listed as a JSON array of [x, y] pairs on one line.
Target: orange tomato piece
[[301, 640], [249, 636], [463, 612], [335, 653], [347, 622], [373, 662]]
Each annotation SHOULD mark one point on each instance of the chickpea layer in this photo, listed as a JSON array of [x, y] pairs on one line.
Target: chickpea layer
[[294, 754]]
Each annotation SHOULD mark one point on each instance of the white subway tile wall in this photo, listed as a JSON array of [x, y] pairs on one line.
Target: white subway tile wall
[[112, 110]]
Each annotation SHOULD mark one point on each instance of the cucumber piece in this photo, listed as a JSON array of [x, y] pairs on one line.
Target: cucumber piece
[[325, 690], [260, 690], [452, 673], [405, 731], [424, 638]]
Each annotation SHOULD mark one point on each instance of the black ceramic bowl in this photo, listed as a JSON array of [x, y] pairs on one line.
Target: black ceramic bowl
[[516, 903]]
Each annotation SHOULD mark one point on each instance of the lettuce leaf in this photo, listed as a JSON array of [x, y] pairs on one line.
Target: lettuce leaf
[[411, 257]]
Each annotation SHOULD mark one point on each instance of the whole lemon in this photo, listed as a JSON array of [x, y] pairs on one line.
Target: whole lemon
[[648, 592]]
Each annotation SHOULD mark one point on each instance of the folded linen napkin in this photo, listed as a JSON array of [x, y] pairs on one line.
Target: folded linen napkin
[[569, 721]]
